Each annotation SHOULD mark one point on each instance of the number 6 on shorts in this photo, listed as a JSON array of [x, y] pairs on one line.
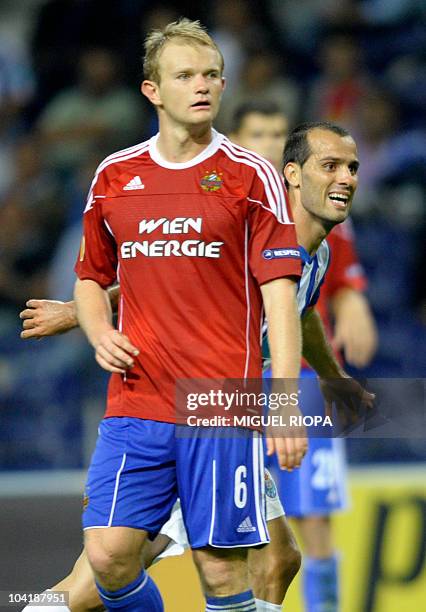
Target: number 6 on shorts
[[240, 487]]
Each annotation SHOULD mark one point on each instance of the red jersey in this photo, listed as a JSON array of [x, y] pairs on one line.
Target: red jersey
[[190, 244], [345, 269]]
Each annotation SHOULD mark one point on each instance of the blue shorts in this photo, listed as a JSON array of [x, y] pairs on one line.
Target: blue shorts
[[140, 467], [318, 487]]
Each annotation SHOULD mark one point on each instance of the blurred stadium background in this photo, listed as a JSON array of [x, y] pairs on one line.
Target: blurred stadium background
[[69, 78]]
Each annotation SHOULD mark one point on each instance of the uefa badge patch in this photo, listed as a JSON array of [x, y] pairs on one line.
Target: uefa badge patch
[[270, 488], [212, 181], [281, 253]]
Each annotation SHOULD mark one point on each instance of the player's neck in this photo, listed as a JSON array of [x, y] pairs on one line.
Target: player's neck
[[310, 230], [177, 143]]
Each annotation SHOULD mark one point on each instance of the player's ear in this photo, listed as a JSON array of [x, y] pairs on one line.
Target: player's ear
[[292, 174], [150, 90]]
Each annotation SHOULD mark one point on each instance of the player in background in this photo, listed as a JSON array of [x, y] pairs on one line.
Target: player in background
[[267, 564], [184, 221], [315, 492], [311, 495]]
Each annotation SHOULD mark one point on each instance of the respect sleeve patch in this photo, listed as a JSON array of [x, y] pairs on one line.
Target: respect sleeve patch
[[280, 253]]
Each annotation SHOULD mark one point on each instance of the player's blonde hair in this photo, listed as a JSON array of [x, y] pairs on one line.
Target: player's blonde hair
[[190, 32]]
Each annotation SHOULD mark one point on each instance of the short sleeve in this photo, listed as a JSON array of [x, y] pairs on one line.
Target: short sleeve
[[272, 245], [97, 259], [318, 291]]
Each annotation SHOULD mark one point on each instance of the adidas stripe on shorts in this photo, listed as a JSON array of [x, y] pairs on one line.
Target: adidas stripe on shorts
[[175, 528]]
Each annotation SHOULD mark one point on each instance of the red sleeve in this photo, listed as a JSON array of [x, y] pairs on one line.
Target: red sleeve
[[345, 269], [97, 259], [273, 249]]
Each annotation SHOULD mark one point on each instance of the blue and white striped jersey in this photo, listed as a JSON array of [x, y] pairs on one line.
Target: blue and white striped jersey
[[313, 273]]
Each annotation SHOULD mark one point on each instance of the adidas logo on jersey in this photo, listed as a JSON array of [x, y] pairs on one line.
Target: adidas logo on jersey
[[135, 183], [246, 526]]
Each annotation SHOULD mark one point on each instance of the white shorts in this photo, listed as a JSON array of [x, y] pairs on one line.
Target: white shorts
[[175, 528]]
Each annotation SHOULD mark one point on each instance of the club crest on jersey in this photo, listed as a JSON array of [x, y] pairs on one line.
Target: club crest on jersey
[[211, 181], [270, 488], [280, 253], [85, 502]]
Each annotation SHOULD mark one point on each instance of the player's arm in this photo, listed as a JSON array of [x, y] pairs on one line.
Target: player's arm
[[52, 317], [316, 348], [284, 337], [284, 334], [96, 269], [274, 261], [354, 328], [355, 331], [114, 352], [336, 384]]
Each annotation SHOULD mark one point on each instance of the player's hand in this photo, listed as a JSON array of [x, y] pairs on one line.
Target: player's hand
[[288, 441], [47, 318], [114, 352], [287, 438], [290, 450], [349, 398]]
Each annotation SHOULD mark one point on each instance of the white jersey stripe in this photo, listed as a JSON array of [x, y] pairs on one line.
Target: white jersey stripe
[[263, 206], [268, 167], [109, 228], [126, 151], [112, 159], [271, 172], [120, 322], [121, 311], [115, 157], [283, 194], [123, 153], [270, 189], [243, 160], [246, 281], [275, 181], [262, 160]]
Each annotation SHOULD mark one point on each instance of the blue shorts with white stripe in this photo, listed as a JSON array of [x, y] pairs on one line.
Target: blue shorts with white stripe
[[139, 467]]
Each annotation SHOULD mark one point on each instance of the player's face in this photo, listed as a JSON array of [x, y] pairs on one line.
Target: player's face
[[329, 177], [191, 83], [265, 135]]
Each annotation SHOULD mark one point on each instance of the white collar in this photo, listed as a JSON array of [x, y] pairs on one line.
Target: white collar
[[205, 153]]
